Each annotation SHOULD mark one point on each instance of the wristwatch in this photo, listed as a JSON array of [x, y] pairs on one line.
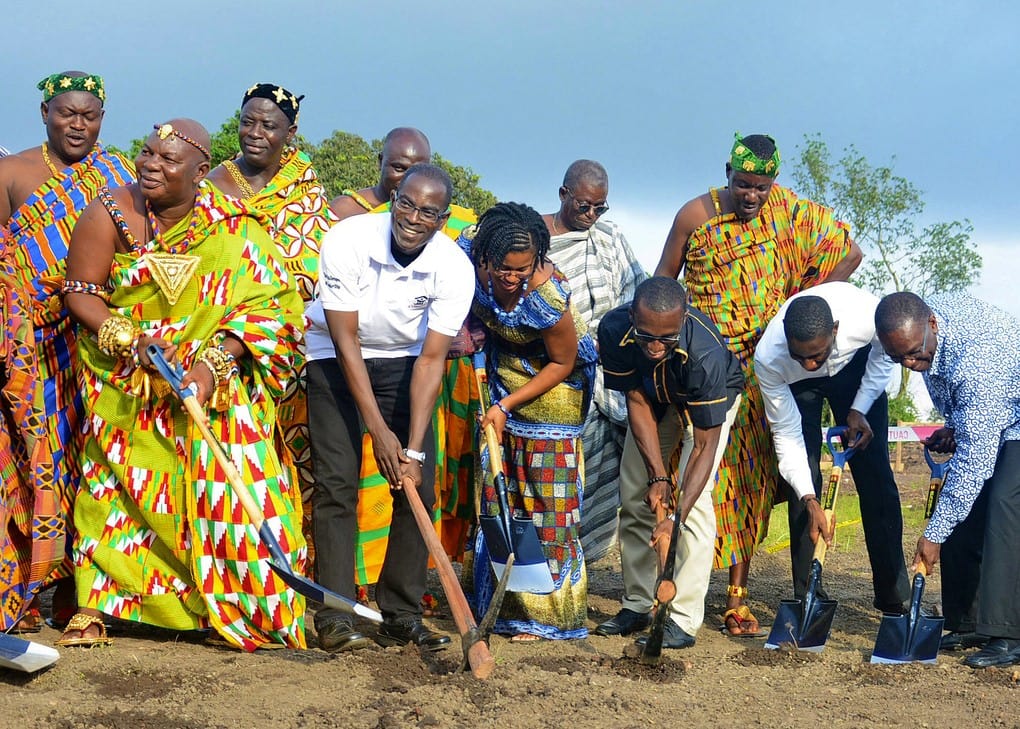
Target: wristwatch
[[416, 455]]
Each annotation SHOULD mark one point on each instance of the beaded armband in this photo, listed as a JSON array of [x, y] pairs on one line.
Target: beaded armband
[[118, 337], [102, 291]]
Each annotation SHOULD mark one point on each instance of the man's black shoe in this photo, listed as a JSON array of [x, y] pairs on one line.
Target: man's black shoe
[[998, 652], [958, 641], [411, 632], [624, 622], [340, 635], [673, 636]]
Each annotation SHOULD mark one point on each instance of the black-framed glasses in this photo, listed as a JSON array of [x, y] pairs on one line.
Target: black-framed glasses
[[645, 338], [583, 207], [916, 354], [428, 215]]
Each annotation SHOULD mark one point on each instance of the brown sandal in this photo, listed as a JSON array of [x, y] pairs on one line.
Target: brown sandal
[[80, 624], [30, 622]]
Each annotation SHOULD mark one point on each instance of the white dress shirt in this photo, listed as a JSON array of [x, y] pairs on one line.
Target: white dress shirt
[[776, 370]]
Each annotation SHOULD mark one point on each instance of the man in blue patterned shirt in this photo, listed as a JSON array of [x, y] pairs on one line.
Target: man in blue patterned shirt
[[969, 354]]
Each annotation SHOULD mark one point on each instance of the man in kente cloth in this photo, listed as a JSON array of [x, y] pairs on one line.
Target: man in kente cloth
[[161, 538], [43, 190], [454, 421], [276, 178], [743, 250]]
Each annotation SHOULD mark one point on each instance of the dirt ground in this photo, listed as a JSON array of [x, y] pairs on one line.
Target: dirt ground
[[157, 680]]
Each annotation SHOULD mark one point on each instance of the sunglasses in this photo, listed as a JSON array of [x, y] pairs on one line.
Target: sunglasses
[[645, 338], [583, 207]]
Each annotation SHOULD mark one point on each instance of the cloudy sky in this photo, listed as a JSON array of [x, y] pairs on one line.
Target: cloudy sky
[[517, 90]]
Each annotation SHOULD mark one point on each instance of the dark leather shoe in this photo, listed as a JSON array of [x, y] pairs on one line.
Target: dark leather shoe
[[341, 636], [411, 632], [998, 652], [958, 641], [624, 622], [673, 636]]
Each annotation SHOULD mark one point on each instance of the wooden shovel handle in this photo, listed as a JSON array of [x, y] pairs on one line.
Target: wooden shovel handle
[[495, 452], [479, 659], [661, 546]]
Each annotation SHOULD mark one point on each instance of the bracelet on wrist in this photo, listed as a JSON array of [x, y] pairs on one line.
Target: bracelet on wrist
[[502, 408], [415, 455], [659, 479]]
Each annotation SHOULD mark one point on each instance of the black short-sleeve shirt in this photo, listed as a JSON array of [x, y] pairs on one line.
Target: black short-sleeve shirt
[[702, 376]]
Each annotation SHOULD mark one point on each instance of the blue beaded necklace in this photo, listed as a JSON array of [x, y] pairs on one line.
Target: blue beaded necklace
[[508, 317]]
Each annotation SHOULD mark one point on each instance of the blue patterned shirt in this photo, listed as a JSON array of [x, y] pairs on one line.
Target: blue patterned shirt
[[974, 381]]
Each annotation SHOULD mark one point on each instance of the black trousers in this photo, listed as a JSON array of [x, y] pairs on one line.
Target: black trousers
[[876, 486], [335, 429], [980, 571]]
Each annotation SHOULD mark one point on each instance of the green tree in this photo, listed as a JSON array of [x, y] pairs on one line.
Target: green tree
[[883, 209], [345, 161]]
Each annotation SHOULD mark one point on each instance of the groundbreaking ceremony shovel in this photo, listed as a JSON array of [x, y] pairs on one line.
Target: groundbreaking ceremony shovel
[[24, 655], [914, 637], [277, 561], [510, 537], [805, 624]]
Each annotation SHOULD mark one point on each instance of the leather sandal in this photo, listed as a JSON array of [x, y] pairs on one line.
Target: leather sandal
[[30, 622], [80, 623]]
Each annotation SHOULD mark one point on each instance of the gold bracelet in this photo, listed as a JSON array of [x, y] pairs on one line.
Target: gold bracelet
[[220, 362], [118, 336]]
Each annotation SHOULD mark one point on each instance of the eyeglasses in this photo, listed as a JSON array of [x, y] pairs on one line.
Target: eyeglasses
[[645, 338], [427, 215], [916, 354], [583, 207]]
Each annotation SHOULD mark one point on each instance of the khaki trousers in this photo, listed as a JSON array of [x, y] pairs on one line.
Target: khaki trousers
[[696, 546]]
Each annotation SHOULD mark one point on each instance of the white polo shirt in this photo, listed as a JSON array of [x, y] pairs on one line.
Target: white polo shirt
[[776, 370], [396, 305]]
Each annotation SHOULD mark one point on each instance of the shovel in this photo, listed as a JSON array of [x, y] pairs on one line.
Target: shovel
[[25, 655], [805, 624], [665, 590], [910, 638], [507, 535], [277, 561], [914, 638]]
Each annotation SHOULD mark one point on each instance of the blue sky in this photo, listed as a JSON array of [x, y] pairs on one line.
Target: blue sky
[[517, 90]]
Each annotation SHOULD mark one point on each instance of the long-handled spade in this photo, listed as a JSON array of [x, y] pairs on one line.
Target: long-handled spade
[[805, 624], [277, 560], [914, 638], [665, 589], [506, 535]]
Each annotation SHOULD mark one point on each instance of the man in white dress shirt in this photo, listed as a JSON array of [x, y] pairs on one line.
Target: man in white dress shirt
[[821, 346]]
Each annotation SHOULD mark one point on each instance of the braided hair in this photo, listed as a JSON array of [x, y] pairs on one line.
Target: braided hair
[[509, 228]]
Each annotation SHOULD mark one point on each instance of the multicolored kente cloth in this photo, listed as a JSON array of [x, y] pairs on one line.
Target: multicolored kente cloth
[[603, 273], [40, 404], [739, 273], [299, 216], [161, 537], [453, 426], [543, 458]]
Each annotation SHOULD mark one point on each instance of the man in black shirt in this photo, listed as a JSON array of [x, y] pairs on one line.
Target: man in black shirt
[[683, 387]]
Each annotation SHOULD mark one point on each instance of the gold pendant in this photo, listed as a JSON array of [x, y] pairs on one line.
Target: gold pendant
[[172, 272]]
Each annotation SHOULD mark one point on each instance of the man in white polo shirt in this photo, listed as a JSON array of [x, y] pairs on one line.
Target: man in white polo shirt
[[822, 345], [394, 290]]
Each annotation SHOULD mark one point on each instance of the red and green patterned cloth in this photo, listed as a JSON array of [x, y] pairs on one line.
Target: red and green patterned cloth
[[739, 273], [41, 402], [161, 538], [298, 217]]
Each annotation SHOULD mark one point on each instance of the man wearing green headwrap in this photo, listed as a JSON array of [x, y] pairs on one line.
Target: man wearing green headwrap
[[43, 191], [744, 249]]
